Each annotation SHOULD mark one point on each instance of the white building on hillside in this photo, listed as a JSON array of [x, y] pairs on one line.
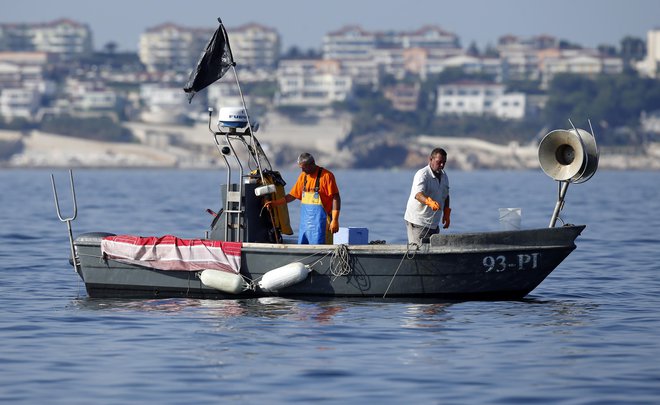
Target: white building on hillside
[[364, 72], [521, 54], [316, 83], [255, 46], [650, 122], [18, 103], [224, 93], [587, 62], [167, 104], [97, 100], [428, 37], [469, 98], [349, 42], [25, 70], [390, 61], [64, 37], [494, 67], [171, 47], [353, 42], [174, 47], [650, 65]]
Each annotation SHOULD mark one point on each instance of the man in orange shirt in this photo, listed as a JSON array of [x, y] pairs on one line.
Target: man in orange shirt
[[317, 190]]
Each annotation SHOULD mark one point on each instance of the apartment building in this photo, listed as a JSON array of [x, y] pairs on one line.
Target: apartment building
[[23, 83], [90, 96], [471, 98], [255, 46], [586, 62], [315, 83], [541, 58], [520, 54], [353, 42], [650, 66], [162, 103], [18, 103], [349, 42], [513, 43], [390, 61], [650, 122], [403, 96], [172, 47], [13, 75], [27, 70], [429, 37], [362, 72], [494, 67], [64, 37]]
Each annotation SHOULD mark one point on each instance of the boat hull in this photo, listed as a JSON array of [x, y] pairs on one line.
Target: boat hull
[[485, 265]]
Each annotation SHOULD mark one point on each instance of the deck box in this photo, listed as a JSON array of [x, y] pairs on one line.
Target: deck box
[[351, 236]]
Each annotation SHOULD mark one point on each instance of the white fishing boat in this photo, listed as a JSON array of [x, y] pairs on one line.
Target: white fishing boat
[[245, 253]]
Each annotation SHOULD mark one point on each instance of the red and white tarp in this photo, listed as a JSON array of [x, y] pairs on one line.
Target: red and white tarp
[[171, 253]]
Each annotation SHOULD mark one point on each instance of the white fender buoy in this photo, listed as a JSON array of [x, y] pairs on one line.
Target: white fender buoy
[[285, 276], [230, 283]]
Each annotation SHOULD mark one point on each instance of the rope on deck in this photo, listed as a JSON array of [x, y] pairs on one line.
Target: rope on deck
[[340, 263]]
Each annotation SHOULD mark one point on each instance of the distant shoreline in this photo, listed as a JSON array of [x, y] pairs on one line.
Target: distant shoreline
[[41, 150]]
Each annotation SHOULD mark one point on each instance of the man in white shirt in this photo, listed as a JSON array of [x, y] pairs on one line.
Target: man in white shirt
[[429, 200]]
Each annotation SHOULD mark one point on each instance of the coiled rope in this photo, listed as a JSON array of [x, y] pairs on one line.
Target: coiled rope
[[340, 264]]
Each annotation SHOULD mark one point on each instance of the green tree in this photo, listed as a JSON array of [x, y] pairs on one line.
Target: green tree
[[609, 101], [473, 50], [632, 48], [564, 44], [98, 129], [293, 53], [491, 52], [569, 95], [607, 50], [296, 53], [110, 47], [524, 86]]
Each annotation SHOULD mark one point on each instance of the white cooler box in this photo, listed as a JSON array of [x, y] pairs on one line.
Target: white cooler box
[[351, 236]]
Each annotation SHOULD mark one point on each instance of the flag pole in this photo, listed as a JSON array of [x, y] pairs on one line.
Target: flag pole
[[255, 151]]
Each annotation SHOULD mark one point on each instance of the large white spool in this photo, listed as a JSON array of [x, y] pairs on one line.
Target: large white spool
[[569, 155]]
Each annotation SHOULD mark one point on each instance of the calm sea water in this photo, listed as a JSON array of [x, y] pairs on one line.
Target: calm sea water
[[589, 334]]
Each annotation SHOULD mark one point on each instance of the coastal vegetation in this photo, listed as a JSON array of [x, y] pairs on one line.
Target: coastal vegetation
[[97, 128], [613, 103]]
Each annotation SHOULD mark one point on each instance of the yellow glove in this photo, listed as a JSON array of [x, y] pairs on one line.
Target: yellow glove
[[334, 224], [432, 203], [275, 203], [445, 217]]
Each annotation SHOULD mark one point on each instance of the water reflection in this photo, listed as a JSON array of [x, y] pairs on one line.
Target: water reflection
[[412, 313], [170, 305], [562, 312], [426, 315], [266, 307]]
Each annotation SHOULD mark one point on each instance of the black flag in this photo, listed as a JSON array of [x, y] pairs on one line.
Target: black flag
[[213, 63]]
